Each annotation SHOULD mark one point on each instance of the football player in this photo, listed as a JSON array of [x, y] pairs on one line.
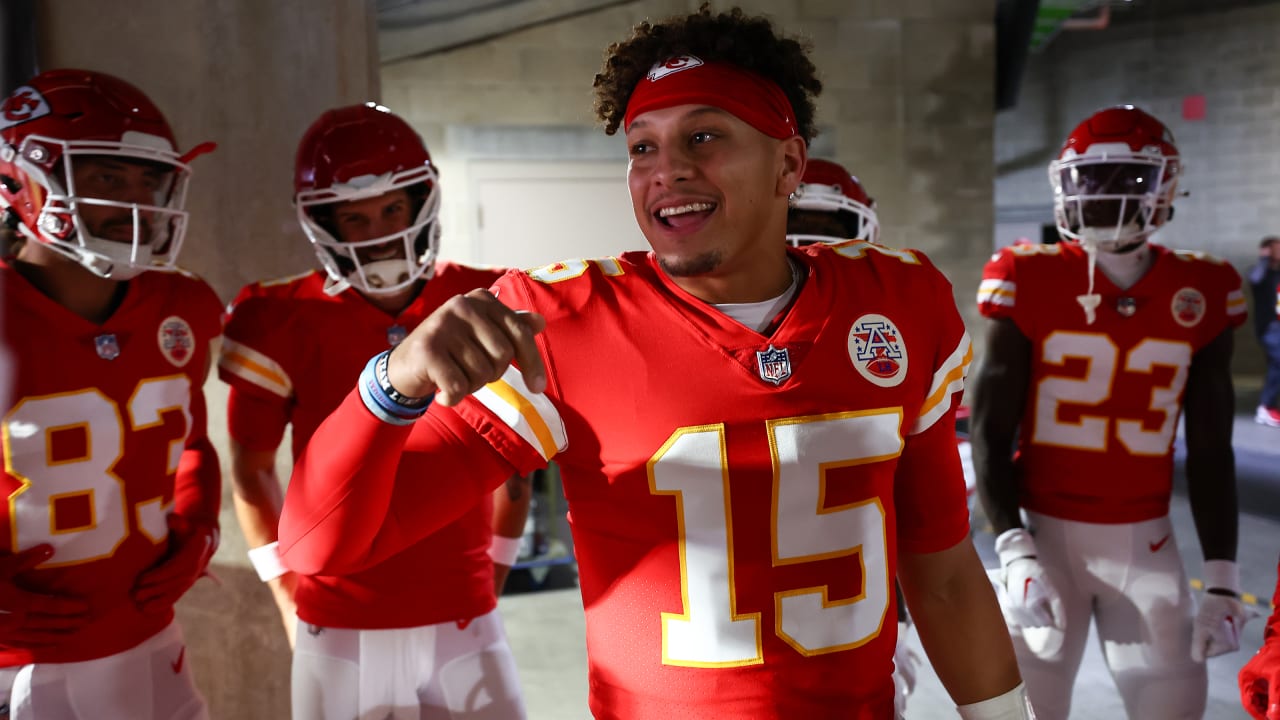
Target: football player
[[419, 629], [754, 439], [830, 206], [113, 485], [1094, 347]]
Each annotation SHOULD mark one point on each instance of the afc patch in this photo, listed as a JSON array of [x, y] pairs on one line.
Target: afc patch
[[1188, 307], [177, 341], [774, 364], [672, 65], [877, 350]]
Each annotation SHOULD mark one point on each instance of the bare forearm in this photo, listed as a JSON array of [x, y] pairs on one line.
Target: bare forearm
[[960, 623], [1211, 490]]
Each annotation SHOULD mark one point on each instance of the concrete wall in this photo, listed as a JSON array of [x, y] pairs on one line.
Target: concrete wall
[[1231, 157], [907, 107], [251, 76]]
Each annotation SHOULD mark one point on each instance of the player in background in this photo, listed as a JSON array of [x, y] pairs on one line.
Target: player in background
[[419, 629], [754, 439], [113, 485], [1095, 346]]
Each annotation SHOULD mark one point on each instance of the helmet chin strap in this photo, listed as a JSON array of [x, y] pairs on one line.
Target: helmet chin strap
[[1090, 300], [1124, 265]]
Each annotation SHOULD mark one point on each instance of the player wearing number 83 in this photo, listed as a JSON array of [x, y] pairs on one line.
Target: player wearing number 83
[[1093, 347], [754, 439], [112, 484]]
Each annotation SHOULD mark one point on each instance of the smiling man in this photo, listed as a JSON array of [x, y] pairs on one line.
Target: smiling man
[[753, 438], [420, 629], [112, 484]]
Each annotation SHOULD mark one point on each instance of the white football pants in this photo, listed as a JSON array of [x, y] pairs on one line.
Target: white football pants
[[149, 681], [433, 672], [1129, 579]]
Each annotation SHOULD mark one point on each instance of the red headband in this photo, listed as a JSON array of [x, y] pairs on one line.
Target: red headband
[[687, 80]]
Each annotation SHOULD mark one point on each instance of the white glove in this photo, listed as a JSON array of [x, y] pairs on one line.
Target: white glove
[[1216, 629], [905, 664], [1029, 598]]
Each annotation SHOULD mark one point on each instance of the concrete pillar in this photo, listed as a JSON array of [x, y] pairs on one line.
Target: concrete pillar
[[251, 76]]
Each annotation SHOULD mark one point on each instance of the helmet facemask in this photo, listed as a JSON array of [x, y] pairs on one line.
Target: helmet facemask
[[1112, 201], [392, 262], [157, 227], [858, 220]]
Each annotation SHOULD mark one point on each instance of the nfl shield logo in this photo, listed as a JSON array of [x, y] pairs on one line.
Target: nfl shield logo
[[774, 365], [396, 334], [107, 347]]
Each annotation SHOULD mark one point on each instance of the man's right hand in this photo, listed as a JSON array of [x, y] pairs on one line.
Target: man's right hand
[[1029, 598], [464, 345], [34, 620]]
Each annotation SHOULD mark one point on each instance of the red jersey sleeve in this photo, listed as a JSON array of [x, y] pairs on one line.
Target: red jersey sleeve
[[998, 291], [251, 363], [198, 485], [929, 488]]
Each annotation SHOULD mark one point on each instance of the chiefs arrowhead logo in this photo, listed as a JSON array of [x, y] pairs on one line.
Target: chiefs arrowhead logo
[[26, 103]]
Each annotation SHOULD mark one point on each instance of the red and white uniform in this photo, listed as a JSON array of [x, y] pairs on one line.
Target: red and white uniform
[[104, 436], [298, 349], [1095, 461], [737, 500], [1104, 399]]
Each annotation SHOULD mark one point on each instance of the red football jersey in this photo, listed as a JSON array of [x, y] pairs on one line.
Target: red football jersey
[[97, 420], [737, 500], [1096, 443], [289, 343]]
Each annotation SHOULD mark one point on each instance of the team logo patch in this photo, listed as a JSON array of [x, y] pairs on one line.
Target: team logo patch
[[774, 364], [26, 103], [877, 350], [672, 65], [177, 342], [1188, 307], [107, 346]]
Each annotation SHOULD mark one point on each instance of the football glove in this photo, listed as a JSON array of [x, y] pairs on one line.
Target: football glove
[[1029, 598]]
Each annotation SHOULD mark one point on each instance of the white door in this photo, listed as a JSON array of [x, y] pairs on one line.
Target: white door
[[529, 214]]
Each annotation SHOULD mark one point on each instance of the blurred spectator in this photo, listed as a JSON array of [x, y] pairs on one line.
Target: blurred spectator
[[1264, 278]]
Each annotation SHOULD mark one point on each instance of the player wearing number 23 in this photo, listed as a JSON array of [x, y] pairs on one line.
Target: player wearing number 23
[[754, 438], [1094, 347], [112, 484]]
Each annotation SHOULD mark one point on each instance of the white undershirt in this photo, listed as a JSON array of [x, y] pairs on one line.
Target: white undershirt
[[758, 315]]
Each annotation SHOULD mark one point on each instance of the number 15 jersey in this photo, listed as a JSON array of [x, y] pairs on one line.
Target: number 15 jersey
[[1096, 443], [737, 500]]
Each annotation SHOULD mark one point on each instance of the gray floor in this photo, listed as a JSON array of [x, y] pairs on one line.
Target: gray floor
[[546, 627]]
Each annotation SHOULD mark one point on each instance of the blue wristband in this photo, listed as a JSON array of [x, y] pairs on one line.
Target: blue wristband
[[381, 399]]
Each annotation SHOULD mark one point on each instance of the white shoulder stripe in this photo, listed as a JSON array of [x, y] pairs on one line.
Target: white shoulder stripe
[[252, 366], [947, 380], [531, 415]]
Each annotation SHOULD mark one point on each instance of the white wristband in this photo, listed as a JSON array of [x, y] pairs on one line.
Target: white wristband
[[1012, 705], [1223, 574], [504, 550], [266, 560]]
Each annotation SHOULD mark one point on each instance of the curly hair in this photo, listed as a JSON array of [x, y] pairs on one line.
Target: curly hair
[[750, 42]]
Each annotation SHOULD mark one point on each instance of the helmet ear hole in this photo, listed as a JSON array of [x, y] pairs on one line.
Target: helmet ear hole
[[10, 185]]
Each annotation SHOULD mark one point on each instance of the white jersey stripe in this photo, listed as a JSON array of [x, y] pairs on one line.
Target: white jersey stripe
[[947, 380], [530, 414], [252, 366]]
